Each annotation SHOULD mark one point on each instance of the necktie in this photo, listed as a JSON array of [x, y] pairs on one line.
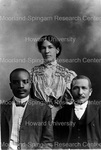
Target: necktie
[[19, 104]]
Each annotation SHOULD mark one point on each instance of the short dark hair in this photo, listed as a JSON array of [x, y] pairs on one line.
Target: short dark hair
[[52, 39], [18, 70], [81, 77]]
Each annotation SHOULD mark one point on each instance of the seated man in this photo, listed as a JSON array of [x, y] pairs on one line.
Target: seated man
[[78, 126], [24, 121]]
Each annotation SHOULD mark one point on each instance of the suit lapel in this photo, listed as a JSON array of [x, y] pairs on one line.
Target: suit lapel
[[8, 114], [91, 112]]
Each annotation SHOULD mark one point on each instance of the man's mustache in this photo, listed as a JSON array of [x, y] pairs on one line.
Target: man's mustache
[[21, 90], [81, 96]]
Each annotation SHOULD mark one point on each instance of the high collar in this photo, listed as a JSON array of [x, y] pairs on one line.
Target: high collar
[[82, 106], [50, 64], [21, 100]]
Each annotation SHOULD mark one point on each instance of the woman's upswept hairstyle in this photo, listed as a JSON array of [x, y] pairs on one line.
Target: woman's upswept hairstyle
[[52, 39]]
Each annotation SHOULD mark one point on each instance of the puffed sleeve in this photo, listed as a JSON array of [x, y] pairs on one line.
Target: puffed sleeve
[[67, 97], [70, 75]]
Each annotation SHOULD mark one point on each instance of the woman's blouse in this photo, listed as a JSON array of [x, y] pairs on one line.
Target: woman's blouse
[[49, 81]]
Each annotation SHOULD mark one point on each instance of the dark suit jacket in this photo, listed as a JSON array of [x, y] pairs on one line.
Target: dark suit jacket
[[35, 130], [63, 125]]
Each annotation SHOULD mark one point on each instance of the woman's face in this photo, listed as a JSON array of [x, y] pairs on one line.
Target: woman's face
[[49, 51]]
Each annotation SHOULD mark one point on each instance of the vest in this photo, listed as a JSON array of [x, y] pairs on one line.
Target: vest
[[79, 133]]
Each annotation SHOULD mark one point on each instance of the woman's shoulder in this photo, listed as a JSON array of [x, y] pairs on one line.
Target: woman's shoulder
[[37, 69], [72, 73], [66, 71]]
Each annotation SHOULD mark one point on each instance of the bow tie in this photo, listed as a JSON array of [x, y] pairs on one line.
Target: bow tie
[[19, 104], [78, 108]]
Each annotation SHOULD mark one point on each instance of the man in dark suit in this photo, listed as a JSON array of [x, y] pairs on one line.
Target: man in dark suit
[[25, 122], [78, 126]]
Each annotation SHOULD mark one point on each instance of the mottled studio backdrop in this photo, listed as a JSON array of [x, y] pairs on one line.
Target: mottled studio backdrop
[[77, 24]]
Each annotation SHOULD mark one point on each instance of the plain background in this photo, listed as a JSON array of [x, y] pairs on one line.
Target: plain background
[[22, 22]]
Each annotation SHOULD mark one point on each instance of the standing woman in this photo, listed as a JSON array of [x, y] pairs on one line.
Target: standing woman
[[50, 80]]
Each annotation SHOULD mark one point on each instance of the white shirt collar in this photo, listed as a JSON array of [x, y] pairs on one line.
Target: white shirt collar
[[21, 100], [82, 106], [80, 109]]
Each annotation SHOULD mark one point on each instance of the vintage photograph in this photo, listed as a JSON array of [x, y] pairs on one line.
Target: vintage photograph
[[50, 62]]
